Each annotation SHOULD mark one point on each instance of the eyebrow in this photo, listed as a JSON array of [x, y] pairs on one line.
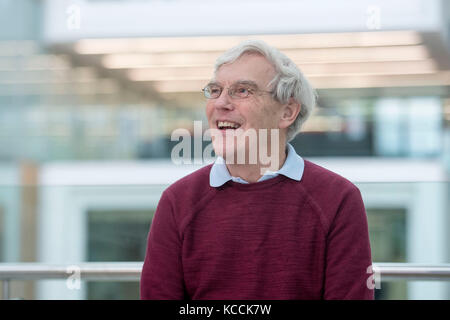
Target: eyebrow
[[247, 82]]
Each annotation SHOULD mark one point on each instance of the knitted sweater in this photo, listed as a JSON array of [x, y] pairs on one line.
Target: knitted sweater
[[275, 239]]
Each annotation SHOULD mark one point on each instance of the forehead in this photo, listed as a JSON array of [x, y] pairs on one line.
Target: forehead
[[248, 67]]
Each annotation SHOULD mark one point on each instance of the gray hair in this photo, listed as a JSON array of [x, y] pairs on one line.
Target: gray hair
[[289, 81]]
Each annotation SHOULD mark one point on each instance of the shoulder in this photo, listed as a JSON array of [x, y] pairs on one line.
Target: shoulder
[[319, 179], [329, 192], [198, 178], [187, 194], [192, 186]]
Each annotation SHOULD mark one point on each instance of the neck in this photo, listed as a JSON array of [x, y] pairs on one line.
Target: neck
[[253, 172]]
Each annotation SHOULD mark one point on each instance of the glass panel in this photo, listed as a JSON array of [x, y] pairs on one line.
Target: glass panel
[[116, 235], [2, 235], [387, 231]]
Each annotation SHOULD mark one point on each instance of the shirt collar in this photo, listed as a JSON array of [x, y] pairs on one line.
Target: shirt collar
[[292, 168]]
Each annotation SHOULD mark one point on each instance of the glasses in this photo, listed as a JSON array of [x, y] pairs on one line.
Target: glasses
[[237, 91]]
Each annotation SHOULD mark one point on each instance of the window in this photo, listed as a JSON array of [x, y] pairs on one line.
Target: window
[[2, 235], [387, 229], [117, 236]]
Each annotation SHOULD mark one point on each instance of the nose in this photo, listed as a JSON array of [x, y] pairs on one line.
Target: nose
[[224, 101]]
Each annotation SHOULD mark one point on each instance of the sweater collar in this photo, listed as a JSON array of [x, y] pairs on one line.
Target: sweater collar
[[292, 168]]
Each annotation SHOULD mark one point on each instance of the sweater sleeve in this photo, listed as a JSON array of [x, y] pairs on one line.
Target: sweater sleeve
[[348, 253], [162, 276]]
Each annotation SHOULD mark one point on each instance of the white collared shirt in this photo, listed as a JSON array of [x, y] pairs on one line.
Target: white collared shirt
[[292, 168]]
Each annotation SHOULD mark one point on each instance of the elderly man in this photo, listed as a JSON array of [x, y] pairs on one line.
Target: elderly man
[[279, 229]]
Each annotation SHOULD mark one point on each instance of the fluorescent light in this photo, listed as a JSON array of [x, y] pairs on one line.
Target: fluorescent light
[[302, 56], [346, 39], [359, 54], [329, 60], [310, 70], [370, 68], [155, 74], [180, 86], [151, 60], [222, 43]]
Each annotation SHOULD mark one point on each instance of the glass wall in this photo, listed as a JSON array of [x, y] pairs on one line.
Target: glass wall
[[2, 235], [388, 238], [86, 125], [116, 236]]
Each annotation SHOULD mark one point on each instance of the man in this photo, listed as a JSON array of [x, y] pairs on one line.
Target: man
[[279, 229]]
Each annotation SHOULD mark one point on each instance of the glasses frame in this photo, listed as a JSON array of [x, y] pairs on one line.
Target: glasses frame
[[231, 93]]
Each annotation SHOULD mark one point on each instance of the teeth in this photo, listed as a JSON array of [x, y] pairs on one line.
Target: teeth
[[227, 124]]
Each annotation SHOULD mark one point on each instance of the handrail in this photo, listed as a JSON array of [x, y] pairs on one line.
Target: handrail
[[131, 271], [412, 271], [119, 271]]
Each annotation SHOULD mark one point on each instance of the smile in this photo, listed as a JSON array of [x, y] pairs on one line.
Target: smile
[[224, 125]]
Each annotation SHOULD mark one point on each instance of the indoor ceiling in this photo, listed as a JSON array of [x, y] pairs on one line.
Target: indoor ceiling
[[329, 60], [159, 67]]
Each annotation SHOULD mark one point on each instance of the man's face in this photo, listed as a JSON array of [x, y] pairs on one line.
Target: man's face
[[258, 111]]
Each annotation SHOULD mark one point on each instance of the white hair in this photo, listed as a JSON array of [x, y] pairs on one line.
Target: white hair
[[289, 81]]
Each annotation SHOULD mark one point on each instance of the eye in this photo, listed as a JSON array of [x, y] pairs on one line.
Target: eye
[[214, 90], [242, 91]]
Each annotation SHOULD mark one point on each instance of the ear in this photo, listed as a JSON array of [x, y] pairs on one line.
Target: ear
[[289, 113]]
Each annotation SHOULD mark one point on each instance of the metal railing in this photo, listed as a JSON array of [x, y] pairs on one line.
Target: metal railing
[[131, 271], [87, 271]]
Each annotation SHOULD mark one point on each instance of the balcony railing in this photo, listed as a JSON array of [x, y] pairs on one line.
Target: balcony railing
[[131, 271]]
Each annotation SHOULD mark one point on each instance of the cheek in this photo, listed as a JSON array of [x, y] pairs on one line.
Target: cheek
[[264, 117], [272, 115], [209, 111]]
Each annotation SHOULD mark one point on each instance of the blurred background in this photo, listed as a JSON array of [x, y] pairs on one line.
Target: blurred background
[[91, 90]]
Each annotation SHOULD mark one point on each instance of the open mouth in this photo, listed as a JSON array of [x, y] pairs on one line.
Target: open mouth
[[227, 125]]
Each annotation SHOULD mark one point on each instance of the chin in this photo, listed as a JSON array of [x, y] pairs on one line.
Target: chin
[[230, 153], [221, 150]]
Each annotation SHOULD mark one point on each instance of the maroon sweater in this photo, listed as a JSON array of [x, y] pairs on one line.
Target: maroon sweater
[[275, 239]]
